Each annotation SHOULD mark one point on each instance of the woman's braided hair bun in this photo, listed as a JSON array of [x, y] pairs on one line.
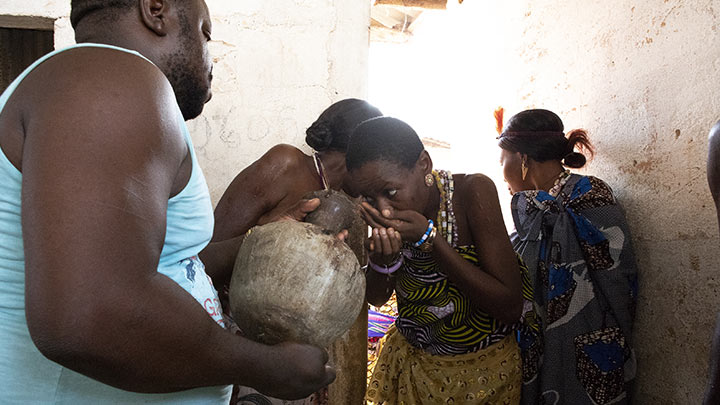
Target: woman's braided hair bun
[[332, 129], [319, 136]]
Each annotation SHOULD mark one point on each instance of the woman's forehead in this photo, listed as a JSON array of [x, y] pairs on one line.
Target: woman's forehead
[[384, 168]]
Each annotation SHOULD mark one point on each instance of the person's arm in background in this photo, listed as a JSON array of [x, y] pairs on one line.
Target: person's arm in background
[[497, 288], [713, 166], [712, 394], [103, 149], [255, 192]]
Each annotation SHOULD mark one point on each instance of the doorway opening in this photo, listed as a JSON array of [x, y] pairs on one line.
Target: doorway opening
[[437, 69]]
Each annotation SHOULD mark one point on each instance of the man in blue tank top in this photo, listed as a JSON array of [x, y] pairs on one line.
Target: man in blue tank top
[[103, 213]]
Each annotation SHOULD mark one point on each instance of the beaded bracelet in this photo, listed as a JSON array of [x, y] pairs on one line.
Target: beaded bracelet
[[430, 227], [385, 269]]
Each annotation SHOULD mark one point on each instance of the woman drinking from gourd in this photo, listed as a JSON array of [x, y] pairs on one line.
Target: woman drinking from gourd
[[439, 241]]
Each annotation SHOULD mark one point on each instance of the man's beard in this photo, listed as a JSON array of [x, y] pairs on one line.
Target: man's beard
[[188, 85], [189, 90]]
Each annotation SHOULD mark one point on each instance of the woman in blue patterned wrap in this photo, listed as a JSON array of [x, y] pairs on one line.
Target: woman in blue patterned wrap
[[572, 234]]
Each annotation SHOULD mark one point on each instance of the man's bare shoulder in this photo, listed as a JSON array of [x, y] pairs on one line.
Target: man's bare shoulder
[[105, 95], [94, 73]]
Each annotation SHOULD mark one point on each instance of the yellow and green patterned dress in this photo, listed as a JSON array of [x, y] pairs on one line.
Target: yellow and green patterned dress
[[442, 348]]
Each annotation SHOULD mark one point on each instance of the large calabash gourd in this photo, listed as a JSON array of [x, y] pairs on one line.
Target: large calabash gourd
[[295, 281]]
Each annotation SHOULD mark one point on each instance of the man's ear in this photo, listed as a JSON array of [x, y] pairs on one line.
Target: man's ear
[[424, 163], [154, 15]]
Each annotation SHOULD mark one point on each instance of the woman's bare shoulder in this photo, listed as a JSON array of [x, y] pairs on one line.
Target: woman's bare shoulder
[[283, 156], [280, 160]]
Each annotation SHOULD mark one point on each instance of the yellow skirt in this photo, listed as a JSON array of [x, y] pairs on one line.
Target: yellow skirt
[[405, 375]]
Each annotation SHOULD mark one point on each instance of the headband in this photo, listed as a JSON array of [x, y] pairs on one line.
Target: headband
[[529, 134]]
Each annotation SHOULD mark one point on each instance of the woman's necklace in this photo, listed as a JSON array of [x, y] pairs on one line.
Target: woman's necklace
[[447, 227], [560, 181], [320, 170]]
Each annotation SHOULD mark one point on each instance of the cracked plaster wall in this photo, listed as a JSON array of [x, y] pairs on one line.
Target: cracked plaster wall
[[277, 66], [643, 78]]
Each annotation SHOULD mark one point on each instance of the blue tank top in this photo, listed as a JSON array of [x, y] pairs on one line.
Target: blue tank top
[[26, 376]]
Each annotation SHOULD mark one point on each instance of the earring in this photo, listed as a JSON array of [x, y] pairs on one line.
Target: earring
[[429, 180], [524, 169]]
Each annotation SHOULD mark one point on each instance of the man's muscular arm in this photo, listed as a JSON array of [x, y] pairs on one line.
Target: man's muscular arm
[[102, 152]]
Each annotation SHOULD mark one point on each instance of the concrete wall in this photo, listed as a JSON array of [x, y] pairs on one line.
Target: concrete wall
[[643, 78]]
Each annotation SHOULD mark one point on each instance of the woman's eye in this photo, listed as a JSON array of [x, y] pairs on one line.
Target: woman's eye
[[392, 193]]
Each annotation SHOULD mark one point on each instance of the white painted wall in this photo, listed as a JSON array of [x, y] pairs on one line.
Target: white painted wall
[[642, 77], [278, 65]]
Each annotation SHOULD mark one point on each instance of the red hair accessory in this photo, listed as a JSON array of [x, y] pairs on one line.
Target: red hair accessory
[[499, 120]]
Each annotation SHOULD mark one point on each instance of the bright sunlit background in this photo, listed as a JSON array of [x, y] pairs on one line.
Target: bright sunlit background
[[445, 83]]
